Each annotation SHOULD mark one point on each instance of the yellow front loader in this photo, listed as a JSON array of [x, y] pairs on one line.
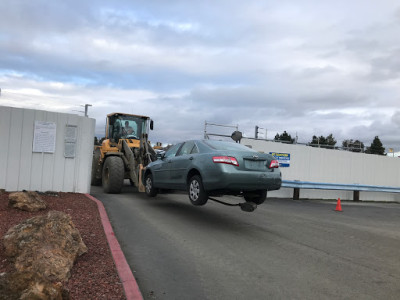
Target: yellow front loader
[[124, 153]]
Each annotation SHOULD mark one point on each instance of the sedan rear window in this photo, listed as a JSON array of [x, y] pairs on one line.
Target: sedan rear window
[[221, 145], [187, 148]]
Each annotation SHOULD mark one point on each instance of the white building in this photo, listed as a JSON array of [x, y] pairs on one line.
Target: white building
[[45, 151]]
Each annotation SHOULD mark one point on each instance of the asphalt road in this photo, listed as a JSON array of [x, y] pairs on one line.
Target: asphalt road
[[284, 250]]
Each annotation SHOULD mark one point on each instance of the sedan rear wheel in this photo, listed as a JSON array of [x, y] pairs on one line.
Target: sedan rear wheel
[[197, 194]]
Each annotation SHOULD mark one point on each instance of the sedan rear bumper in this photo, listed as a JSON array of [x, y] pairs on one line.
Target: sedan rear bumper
[[238, 180]]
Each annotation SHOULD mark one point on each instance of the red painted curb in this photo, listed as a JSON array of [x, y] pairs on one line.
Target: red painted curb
[[131, 288]]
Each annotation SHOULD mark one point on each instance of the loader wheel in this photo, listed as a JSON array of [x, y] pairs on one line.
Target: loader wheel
[[197, 194], [113, 175], [151, 191], [257, 197], [96, 169]]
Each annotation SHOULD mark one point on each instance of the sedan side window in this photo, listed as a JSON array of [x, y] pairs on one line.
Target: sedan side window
[[172, 151], [194, 150], [186, 149]]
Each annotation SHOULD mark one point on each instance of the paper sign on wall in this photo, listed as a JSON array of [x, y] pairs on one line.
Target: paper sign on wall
[[44, 137], [71, 133]]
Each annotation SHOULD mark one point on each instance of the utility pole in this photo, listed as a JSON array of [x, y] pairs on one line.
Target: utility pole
[[86, 109], [256, 132]]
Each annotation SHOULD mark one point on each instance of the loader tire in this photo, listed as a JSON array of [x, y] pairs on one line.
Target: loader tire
[[113, 175], [96, 179]]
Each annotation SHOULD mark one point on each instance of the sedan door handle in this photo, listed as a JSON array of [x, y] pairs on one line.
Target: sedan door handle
[[191, 158]]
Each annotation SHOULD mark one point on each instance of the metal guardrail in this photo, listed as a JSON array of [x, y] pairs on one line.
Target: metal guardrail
[[355, 188], [339, 186]]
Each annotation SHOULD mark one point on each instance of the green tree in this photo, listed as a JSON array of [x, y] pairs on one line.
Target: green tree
[[324, 142], [285, 137], [376, 147], [353, 146], [330, 140]]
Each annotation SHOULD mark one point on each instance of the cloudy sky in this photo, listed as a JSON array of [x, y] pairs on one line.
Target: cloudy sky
[[308, 67]]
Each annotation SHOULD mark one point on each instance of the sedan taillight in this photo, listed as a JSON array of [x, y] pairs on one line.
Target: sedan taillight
[[225, 160], [274, 164]]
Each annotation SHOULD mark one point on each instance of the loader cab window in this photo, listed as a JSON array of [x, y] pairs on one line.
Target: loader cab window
[[126, 127], [115, 129], [130, 129]]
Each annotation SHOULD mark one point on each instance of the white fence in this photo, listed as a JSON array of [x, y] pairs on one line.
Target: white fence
[[333, 166], [67, 140]]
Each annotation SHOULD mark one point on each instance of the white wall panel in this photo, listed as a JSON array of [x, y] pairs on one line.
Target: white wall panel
[[35, 183], [14, 149], [5, 120], [333, 166], [59, 164], [48, 159], [25, 168], [20, 168]]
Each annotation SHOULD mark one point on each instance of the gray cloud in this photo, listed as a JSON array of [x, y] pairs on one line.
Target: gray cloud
[[387, 66], [396, 119], [311, 68]]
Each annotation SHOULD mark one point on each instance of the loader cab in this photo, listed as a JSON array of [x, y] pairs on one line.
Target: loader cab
[[126, 126]]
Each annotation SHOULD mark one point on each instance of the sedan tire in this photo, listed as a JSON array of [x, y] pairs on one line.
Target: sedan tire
[[150, 190], [257, 197], [197, 194]]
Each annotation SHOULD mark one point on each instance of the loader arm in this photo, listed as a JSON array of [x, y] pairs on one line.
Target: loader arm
[[138, 160]]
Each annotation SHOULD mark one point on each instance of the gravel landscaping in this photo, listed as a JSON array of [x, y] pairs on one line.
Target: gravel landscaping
[[94, 275]]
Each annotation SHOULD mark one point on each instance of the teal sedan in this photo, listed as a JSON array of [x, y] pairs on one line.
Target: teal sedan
[[206, 168]]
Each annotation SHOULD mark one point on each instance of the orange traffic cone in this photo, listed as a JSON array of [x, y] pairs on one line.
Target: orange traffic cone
[[338, 205]]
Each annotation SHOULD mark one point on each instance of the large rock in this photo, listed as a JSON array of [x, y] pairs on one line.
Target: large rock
[[28, 201], [46, 244], [26, 285], [44, 249]]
